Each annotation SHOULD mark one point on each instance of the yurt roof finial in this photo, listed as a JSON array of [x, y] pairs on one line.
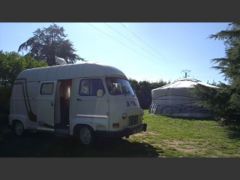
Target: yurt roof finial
[[186, 73]]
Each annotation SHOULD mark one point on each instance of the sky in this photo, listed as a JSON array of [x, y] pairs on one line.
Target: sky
[[143, 51]]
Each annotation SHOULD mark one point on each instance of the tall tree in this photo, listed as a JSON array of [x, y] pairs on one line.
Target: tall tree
[[47, 43], [230, 65], [225, 101]]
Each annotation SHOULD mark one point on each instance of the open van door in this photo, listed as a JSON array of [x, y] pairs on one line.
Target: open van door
[[46, 104]]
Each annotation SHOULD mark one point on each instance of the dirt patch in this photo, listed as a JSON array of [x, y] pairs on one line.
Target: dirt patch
[[183, 146], [147, 133]]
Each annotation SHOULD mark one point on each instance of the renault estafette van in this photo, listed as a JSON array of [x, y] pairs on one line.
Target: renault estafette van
[[84, 100]]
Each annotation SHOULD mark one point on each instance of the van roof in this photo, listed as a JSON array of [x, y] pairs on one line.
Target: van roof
[[69, 71]]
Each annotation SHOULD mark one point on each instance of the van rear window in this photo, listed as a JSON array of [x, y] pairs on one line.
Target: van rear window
[[46, 89]]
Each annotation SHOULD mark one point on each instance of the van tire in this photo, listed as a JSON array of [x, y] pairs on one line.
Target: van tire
[[18, 128], [86, 135]]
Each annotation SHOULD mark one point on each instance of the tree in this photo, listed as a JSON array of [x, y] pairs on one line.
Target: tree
[[143, 91], [47, 43], [225, 101], [11, 64], [230, 65]]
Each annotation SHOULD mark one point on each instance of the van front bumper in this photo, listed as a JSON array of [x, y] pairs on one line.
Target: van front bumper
[[122, 133]]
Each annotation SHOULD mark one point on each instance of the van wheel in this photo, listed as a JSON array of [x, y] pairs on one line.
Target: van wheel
[[86, 136], [18, 128]]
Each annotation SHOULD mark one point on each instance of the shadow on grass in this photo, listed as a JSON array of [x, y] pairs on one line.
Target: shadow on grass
[[103, 148], [186, 118], [234, 131], [233, 128], [49, 145]]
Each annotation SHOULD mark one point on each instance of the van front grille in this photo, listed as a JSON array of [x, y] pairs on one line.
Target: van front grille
[[133, 120]]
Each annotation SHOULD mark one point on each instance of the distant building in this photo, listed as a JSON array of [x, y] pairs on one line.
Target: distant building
[[178, 100]]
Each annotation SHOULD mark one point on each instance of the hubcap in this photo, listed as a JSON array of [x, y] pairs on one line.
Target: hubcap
[[85, 135]]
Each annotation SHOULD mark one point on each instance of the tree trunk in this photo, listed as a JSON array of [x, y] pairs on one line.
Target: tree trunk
[[51, 60]]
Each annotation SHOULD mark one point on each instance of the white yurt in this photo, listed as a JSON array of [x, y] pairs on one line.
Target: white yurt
[[178, 100]]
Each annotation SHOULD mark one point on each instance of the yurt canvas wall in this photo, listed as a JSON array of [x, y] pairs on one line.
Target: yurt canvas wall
[[178, 100]]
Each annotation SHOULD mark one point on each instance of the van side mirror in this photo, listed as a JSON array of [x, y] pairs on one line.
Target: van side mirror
[[99, 93]]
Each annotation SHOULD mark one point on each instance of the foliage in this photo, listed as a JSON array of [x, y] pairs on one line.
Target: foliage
[[11, 64], [47, 43], [143, 91], [5, 93], [225, 101], [212, 99]]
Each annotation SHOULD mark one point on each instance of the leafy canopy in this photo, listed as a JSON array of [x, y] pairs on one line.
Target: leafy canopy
[[47, 43], [11, 64]]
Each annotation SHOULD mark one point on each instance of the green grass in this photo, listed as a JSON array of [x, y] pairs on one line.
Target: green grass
[[175, 137], [165, 137]]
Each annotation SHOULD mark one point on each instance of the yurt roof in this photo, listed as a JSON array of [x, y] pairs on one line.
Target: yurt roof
[[185, 83]]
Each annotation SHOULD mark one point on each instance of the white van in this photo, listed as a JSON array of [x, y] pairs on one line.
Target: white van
[[86, 100]]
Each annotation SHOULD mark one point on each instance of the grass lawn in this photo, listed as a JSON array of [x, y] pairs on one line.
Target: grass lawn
[[165, 137], [175, 137]]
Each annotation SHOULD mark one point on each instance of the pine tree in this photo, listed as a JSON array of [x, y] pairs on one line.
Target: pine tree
[[225, 101]]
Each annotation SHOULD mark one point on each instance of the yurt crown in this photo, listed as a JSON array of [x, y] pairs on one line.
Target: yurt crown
[[187, 76], [186, 73]]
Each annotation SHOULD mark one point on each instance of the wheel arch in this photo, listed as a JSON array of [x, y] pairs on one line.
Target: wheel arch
[[14, 121], [21, 118], [78, 126]]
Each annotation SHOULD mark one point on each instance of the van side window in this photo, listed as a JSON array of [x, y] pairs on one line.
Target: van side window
[[84, 87], [96, 85], [46, 89], [89, 87]]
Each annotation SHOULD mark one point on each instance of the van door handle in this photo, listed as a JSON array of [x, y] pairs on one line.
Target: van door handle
[[51, 103], [78, 99]]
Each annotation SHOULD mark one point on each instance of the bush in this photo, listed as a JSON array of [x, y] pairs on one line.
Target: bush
[[5, 93], [224, 102], [143, 91], [11, 64]]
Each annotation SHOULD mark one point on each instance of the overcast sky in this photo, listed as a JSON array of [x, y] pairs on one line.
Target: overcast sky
[[143, 51]]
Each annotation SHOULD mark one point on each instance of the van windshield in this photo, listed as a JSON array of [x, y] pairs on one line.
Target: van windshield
[[119, 86]]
